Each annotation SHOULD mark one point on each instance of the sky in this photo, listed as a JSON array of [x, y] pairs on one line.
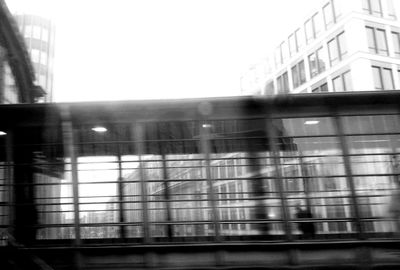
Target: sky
[[157, 49]]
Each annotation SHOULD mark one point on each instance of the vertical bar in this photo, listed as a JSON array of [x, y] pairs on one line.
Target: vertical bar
[[68, 135], [273, 142], [349, 174], [121, 219], [69, 150], [138, 133], [9, 182], [205, 137], [167, 196]]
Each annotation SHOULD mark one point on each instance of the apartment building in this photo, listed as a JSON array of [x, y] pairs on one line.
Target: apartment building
[[340, 46]]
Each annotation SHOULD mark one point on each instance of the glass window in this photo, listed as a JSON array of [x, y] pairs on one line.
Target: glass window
[[342, 82], [377, 42], [337, 84], [28, 31], [377, 78], [328, 15], [321, 60], [309, 31], [387, 79], [396, 43], [295, 77], [35, 55], [298, 74], [284, 51], [391, 10], [317, 23], [292, 45], [381, 42], [372, 7], [376, 7], [283, 84], [342, 45], [371, 39], [299, 39], [338, 8], [324, 87], [43, 58], [36, 32], [45, 35], [312, 60], [383, 78], [302, 72], [347, 83], [333, 52]]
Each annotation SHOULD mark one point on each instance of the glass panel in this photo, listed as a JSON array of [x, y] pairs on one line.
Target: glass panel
[[328, 15], [302, 72], [396, 43], [376, 7], [342, 45], [317, 22], [381, 42], [295, 77], [338, 84], [376, 72], [366, 6], [347, 81], [324, 87], [300, 39], [313, 64], [391, 9], [387, 78], [371, 40], [309, 31], [321, 58], [292, 45], [333, 52]]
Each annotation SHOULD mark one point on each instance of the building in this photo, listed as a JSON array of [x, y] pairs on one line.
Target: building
[[341, 46], [16, 70], [39, 35]]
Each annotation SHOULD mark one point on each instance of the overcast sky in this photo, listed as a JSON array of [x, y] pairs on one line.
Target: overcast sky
[[139, 49]]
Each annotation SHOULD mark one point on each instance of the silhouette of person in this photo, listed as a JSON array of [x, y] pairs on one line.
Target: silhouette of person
[[307, 228]]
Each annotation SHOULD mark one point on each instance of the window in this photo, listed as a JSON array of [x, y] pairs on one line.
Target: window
[[373, 7], [316, 62], [383, 78], [283, 84], [396, 43], [377, 42], [43, 58], [36, 32], [35, 55], [391, 10], [292, 45], [28, 31], [337, 48], [320, 89], [269, 89], [284, 51], [317, 23], [299, 39], [309, 31], [342, 82], [298, 74], [328, 15], [45, 35]]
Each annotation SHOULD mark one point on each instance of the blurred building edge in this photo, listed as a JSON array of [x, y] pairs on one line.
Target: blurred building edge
[[39, 35], [340, 46], [17, 74]]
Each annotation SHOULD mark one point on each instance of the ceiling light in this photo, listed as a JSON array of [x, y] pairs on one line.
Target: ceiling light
[[311, 122], [99, 129], [2, 133]]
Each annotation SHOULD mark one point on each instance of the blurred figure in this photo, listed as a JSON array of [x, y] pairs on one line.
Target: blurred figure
[[307, 228]]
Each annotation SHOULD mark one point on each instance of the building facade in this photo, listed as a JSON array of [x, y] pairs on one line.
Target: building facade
[[39, 35], [341, 46], [16, 70]]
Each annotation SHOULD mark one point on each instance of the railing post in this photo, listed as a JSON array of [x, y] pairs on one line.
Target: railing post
[[349, 174], [138, 133], [205, 137]]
